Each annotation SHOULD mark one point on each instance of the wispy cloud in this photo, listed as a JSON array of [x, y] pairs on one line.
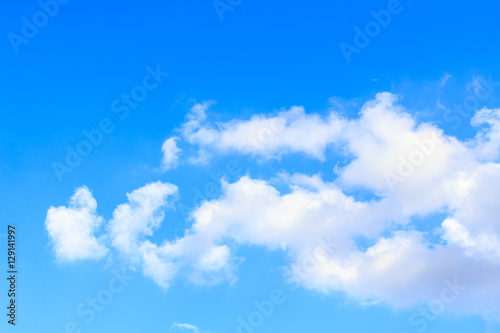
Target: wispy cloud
[[444, 79], [184, 326]]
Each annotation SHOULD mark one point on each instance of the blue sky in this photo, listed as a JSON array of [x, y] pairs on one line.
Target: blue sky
[[324, 135]]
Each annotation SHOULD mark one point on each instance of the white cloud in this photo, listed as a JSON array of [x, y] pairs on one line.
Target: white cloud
[[435, 173], [264, 136], [143, 214], [397, 159], [170, 154], [162, 269], [71, 229], [186, 327], [412, 169], [483, 244], [487, 140], [402, 269]]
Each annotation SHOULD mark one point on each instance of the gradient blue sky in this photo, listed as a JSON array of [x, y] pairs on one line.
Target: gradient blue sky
[[263, 56]]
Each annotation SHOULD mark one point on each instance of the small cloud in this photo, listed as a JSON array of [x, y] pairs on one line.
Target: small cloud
[[189, 327], [170, 154]]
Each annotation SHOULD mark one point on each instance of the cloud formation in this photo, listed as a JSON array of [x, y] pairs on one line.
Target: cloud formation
[[71, 229], [264, 136], [411, 169], [170, 154], [139, 217]]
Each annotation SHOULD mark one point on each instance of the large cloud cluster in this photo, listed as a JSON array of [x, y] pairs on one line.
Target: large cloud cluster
[[413, 170]]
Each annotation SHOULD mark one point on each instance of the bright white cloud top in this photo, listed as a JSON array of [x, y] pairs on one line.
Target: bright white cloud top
[[170, 154], [72, 228], [411, 169], [289, 131]]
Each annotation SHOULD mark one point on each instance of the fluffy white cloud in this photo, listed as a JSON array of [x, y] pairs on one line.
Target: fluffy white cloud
[[161, 268], [71, 229], [264, 136], [414, 168], [139, 217], [411, 169], [170, 154], [194, 256], [412, 165], [401, 269]]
